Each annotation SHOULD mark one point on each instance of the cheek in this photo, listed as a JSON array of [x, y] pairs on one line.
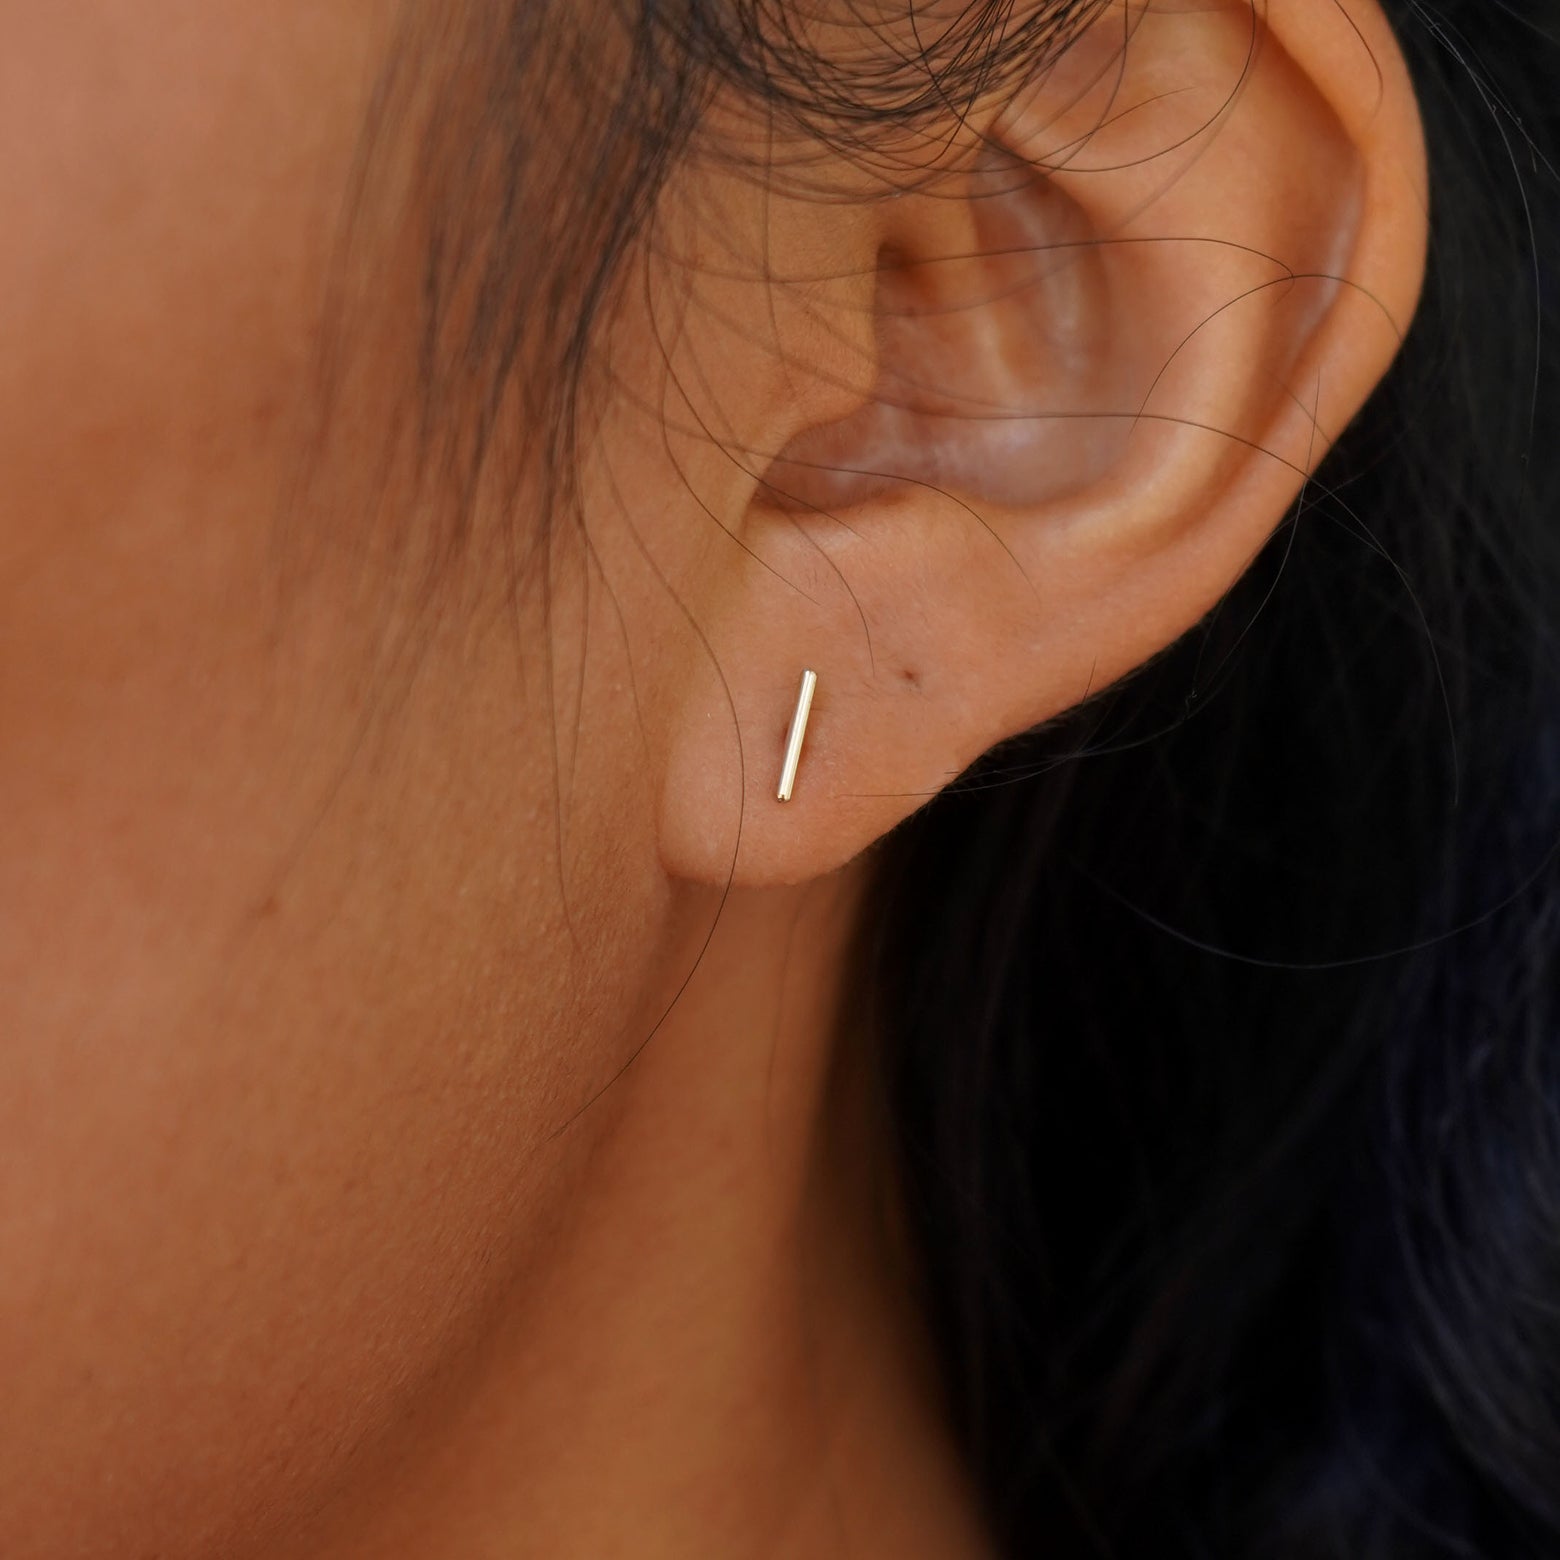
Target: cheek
[[170, 181], [266, 1106], [285, 1047]]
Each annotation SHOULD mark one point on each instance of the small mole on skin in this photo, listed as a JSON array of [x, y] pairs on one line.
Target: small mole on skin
[[909, 675]]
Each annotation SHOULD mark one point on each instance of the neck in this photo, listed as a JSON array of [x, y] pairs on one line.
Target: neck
[[717, 1353]]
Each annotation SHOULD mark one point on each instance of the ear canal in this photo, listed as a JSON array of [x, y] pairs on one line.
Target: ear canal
[[993, 347]]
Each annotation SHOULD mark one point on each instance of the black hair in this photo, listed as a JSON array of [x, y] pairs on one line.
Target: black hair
[[1219, 1021]]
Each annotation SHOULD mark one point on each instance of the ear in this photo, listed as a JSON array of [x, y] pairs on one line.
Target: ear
[[1047, 406]]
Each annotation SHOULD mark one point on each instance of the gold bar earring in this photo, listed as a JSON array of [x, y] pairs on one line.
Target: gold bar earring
[[793, 741]]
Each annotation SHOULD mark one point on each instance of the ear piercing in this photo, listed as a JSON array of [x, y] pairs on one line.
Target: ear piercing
[[793, 741]]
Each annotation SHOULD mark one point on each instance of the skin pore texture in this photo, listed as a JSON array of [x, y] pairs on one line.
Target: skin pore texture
[[427, 1122]]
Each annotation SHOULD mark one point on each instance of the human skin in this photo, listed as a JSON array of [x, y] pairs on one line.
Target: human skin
[[293, 1016], [423, 1128]]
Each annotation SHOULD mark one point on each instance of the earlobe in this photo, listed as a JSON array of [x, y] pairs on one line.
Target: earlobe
[[1110, 345]]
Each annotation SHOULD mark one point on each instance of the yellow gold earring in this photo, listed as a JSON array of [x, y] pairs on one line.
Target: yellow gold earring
[[793, 741]]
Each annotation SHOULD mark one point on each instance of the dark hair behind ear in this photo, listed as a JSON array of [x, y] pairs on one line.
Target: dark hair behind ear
[[1221, 1021]]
